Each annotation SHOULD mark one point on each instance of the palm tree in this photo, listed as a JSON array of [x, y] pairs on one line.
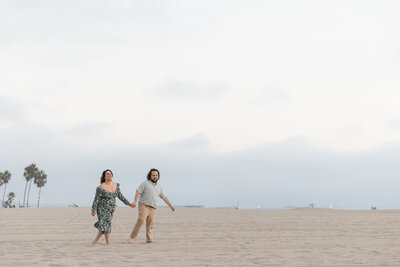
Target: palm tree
[[5, 178], [40, 180], [8, 203], [29, 173], [1, 182]]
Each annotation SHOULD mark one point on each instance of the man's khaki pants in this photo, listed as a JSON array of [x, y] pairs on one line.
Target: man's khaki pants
[[147, 214]]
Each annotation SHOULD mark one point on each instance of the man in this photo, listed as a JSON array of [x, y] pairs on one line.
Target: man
[[148, 191]]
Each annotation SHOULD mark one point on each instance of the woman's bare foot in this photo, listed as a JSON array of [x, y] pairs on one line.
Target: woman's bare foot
[[107, 236], [99, 234], [130, 240]]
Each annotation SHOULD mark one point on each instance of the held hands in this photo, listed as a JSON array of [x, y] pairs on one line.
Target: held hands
[[133, 205]]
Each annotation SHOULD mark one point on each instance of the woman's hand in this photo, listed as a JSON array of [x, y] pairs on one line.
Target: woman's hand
[[93, 213]]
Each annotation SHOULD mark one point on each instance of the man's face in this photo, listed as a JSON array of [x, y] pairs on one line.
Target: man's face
[[154, 176]]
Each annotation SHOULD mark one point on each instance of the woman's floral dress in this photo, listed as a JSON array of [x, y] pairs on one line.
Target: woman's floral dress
[[104, 205]]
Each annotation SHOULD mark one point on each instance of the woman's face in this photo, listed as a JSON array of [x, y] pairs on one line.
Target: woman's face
[[109, 176]]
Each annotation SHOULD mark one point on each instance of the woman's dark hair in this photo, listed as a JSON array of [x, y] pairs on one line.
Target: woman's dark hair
[[149, 174], [103, 176]]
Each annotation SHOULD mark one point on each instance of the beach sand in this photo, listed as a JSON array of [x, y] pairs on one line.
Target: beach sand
[[203, 237]]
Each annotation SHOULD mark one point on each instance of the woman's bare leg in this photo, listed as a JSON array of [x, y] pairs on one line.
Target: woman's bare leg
[[99, 234], [107, 236]]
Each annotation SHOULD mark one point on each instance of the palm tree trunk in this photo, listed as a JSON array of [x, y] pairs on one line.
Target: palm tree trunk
[[40, 190], [4, 194], [29, 192], [25, 192]]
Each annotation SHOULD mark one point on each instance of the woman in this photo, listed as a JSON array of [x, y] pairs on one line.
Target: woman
[[104, 205]]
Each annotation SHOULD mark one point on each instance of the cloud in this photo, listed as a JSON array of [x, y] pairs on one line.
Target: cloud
[[88, 128], [196, 142], [185, 90], [56, 65], [272, 175], [393, 124], [273, 96], [10, 110]]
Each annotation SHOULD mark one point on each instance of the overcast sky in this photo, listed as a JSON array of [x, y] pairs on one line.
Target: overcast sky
[[265, 103]]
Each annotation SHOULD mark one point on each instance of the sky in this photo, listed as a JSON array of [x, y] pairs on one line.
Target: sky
[[271, 104]]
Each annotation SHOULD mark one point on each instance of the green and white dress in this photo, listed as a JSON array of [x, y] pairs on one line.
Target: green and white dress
[[104, 206]]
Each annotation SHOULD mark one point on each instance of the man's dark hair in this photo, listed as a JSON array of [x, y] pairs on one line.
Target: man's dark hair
[[149, 174]]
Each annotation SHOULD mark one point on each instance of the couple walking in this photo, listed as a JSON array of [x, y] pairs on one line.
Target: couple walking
[[147, 193]]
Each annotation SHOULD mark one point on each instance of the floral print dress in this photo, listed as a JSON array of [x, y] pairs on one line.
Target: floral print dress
[[104, 206]]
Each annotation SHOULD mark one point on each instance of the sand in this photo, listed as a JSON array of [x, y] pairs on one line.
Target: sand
[[203, 237]]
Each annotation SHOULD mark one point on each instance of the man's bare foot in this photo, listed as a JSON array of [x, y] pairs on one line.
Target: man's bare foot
[[130, 240], [94, 242], [150, 241]]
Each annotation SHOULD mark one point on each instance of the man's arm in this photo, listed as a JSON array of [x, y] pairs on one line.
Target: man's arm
[[136, 199], [166, 200]]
